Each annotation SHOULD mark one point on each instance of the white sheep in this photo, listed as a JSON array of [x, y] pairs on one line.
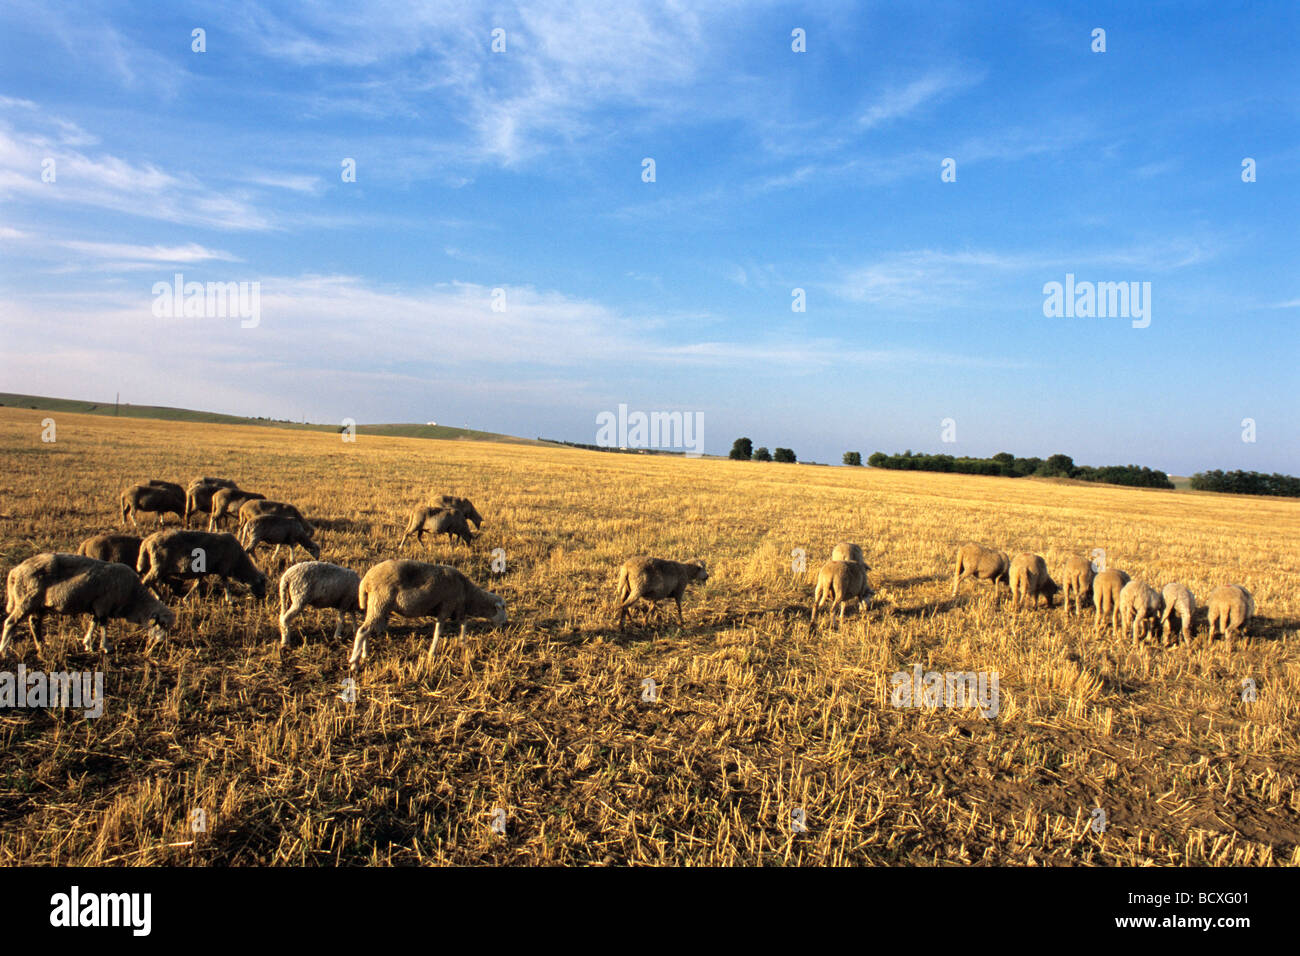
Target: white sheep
[[71, 584], [847, 551], [842, 583], [318, 584], [1178, 600], [1106, 589], [1076, 579], [1140, 607], [417, 589], [1231, 607]]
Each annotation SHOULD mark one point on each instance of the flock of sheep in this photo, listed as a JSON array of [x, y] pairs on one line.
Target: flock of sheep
[[121, 576], [1127, 603]]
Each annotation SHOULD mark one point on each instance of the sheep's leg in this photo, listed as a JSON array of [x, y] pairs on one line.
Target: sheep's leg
[[275, 552], [956, 582], [104, 646], [437, 633], [338, 628], [462, 632], [678, 599], [358, 648], [36, 623], [89, 641]]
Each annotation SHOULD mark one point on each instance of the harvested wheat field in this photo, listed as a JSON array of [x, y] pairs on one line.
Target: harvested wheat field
[[764, 740]]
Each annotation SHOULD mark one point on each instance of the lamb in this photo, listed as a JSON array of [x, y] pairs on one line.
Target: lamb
[[227, 502], [198, 496], [71, 584], [842, 583], [653, 580], [1029, 579], [255, 507], [1106, 589], [983, 564], [318, 584], [1140, 607], [1230, 607], [847, 551], [114, 548], [437, 520], [1077, 579], [1178, 600], [463, 505], [178, 554], [160, 497], [416, 589], [278, 530]]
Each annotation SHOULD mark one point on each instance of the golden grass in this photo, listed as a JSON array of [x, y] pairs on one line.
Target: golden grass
[[758, 714]]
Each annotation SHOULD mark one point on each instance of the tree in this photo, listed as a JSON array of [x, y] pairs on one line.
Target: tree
[[742, 449], [853, 458], [1058, 466], [785, 455], [762, 454], [878, 460]]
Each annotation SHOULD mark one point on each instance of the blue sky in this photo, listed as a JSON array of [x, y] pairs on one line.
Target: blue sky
[[774, 170]]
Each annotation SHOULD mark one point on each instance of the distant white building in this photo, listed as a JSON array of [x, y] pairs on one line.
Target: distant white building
[[431, 423]]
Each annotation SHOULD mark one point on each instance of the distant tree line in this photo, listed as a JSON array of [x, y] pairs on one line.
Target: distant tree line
[[1007, 465], [621, 451], [742, 449], [1247, 483]]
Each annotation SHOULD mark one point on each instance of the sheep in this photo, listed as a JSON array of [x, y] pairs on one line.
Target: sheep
[[1106, 589], [1140, 607], [1077, 579], [463, 505], [318, 584], [1231, 607], [178, 554], [416, 589], [654, 580], [227, 502], [159, 497], [114, 548], [842, 583], [71, 584], [198, 496], [847, 551], [983, 564], [278, 530], [1178, 600], [256, 507], [1029, 579], [437, 520]]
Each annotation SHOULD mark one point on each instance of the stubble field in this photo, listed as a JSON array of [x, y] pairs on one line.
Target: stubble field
[[758, 714]]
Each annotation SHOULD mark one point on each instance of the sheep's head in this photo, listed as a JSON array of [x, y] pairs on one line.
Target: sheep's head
[[498, 615], [697, 571], [258, 586], [1051, 589], [313, 549]]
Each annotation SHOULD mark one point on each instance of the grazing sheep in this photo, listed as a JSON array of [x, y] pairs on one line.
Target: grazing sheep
[[842, 583], [226, 503], [1106, 589], [115, 548], [318, 584], [847, 551], [198, 496], [1077, 579], [1029, 579], [1178, 600], [463, 505], [278, 530], [654, 580], [437, 520], [256, 507], [159, 497], [416, 589], [1140, 607], [71, 584], [180, 555], [1231, 607], [983, 564]]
